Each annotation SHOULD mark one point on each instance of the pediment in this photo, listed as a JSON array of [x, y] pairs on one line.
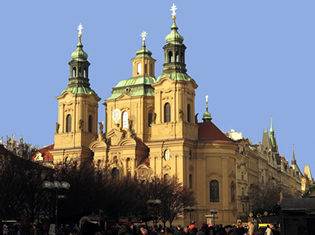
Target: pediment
[[115, 136], [127, 141], [97, 144], [144, 172], [123, 96]]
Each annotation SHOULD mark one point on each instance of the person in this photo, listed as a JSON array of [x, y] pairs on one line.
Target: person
[[89, 228], [240, 228], [229, 230], [125, 229], [192, 225], [251, 228], [268, 230]]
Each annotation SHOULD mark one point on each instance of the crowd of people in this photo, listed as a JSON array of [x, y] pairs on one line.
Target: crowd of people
[[87, 227], [129, 228]]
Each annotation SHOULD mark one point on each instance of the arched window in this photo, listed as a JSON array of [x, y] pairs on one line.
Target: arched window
[[176, 57], [139, 68], [190, 181], [188, 113], [90, 123], [85, 73], [125, 120], [170, 57], [68, 123], [214, 191], [73, 72], [167, 112], [166, 177]]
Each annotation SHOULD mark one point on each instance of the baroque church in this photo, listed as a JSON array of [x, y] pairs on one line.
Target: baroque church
[[151, 129]]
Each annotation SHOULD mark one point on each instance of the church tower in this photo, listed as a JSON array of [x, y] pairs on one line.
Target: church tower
[[174, 92], [78, 111], [131, 105]]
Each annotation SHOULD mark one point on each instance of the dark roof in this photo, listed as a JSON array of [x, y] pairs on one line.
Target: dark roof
[[25, 163], [209, 131], [298, 204]]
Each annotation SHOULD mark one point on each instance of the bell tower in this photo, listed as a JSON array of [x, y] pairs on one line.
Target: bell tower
[[78, 111], [174, 92], [131, 105]]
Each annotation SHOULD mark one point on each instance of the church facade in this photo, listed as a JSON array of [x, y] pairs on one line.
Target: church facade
[[151, 129]]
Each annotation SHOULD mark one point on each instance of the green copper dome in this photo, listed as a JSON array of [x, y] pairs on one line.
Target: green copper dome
[[79, 54], [206, 117], [174, 37]]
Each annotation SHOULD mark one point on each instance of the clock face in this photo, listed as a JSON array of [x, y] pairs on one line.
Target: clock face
[[166, 154], [116, 115]]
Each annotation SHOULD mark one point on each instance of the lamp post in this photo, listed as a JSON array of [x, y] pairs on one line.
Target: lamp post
[[213, 213], [57, 186], [154, 205], [190, 209]]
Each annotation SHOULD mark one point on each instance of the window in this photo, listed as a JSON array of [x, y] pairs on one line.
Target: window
[[139, 68], [243, 189], [188, 113], [90, 123], [232, 192], [166, 177], [190, 181], [73, 72], [150, 115], [125, 120], [242, 175], [243, 208], [214, 191], [145, 68], [115, 173], [85, 73], [167, 112], [68, 123], [176, 56], [170, 57]]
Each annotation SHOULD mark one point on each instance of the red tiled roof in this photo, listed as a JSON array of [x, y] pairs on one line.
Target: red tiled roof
[[209, 131], [45, 153]]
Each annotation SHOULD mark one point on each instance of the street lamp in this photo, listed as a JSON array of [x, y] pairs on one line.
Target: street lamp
[[213, 213], [190, 209], [57, 186], [154, 204]]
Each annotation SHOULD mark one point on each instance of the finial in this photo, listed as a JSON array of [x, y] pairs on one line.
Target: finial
[[80, 27], [143, 35], [207, 103], [173, 9]]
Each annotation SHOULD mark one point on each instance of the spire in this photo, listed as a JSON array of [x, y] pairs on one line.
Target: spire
[[143, 52], [273, 141], [293, 162], [206, 116], [271, 128], [174, 54], [79, 81]]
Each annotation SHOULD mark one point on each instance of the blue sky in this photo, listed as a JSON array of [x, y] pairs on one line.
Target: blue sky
[[253, 58]]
